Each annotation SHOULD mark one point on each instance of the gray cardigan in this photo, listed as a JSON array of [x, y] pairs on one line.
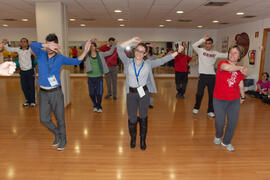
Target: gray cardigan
[[102, 56], [152, 64]]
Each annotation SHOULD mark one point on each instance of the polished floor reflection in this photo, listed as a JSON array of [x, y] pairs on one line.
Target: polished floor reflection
[[179, 144]]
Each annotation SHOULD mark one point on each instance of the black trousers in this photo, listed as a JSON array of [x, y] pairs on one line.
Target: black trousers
[[28, 85], [181, 80], [209, 81]]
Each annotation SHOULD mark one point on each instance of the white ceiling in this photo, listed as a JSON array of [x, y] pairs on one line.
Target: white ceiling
[[141, 13]]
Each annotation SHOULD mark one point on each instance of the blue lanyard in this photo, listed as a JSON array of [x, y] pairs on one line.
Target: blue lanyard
[[137, 74], [48, 64]]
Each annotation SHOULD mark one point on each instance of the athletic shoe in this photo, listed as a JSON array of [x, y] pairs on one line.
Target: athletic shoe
[[108, 96], [32, 104], [26, 104], [95, 109], [99, 110], [217, 140], [229, 147], [62, 145], [56, 141], [211, 114], [195, 111]]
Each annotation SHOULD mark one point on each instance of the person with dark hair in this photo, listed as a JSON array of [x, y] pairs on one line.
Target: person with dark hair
[[111, 76], [207, 58], [181, 73], [139, 83], [95, 68], [263, 87], [150, 56], [51, 97], [27, 72], [228, 94]]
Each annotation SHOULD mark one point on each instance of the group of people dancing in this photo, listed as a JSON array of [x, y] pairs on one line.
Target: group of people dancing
[[225, 87]]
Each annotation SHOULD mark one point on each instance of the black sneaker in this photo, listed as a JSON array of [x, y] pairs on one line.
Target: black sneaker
[[108, 96], [114, 98]]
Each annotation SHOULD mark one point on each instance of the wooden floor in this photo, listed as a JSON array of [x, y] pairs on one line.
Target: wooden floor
[[180, 145]]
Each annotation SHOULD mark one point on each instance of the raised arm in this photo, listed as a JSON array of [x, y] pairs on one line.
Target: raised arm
[[108, 53], [196, 44], [122, 55], [9, 49], [163, 60]]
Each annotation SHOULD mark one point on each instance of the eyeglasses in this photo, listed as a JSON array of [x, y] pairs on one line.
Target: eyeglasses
[[138, 51]]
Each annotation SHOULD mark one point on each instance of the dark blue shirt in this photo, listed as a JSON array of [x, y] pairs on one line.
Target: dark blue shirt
[[50, 66]]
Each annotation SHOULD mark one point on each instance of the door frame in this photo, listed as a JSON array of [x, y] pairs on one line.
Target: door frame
[[264, 43]]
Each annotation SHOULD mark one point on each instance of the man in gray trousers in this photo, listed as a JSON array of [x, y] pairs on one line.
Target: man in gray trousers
[[51, 97], [111, 76]]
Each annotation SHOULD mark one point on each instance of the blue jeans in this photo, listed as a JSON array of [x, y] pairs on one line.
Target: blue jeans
[[95, 86]]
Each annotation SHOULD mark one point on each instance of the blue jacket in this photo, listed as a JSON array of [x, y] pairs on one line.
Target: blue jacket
[[50, 66]]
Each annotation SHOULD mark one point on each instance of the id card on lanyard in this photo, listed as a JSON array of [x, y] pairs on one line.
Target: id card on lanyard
[[52, 79], [137, 74]]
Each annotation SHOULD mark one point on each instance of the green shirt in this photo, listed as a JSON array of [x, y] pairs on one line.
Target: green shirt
[[96, 70]]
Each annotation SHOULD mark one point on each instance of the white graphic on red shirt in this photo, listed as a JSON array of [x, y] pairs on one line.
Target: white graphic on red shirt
[[231, 81]]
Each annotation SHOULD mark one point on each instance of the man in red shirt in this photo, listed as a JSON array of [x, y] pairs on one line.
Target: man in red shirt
[[181, 73], [111, 76], [74, 53]]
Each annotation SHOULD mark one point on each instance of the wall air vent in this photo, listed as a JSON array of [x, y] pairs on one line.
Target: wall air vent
[[9, 19], [88, 19], [248, 17], [213, 3], [184, 20]]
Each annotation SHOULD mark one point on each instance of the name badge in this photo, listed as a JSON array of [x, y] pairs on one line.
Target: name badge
[[53, 81], [141, 91]]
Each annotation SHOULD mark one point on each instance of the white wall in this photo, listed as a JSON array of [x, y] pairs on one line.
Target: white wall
[[255, 43]]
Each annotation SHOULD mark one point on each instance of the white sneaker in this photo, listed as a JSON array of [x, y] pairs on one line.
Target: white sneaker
[[33, 104], [217, 140], [211, 114], [95, 110], [195, 111], [229, 147], [99, 110]]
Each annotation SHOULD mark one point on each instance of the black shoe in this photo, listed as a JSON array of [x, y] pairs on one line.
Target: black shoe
[[114, 98], [62, 144], [178, 95], [108, 96], [151, 106], [143, 144], [56, 141]]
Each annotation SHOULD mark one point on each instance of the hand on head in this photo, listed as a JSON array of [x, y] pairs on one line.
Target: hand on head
[[136, 39], [7, 68], [180, 49], [206, 36], [53, 46]]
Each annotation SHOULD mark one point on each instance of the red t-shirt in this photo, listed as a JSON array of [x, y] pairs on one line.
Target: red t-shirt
[[227, 84], [181, 62], [112, 59]]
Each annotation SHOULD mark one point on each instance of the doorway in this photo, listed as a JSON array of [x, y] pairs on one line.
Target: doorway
[[265, 57]]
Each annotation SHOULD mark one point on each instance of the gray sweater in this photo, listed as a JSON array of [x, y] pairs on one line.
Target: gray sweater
[[149, 64], [102, 56]]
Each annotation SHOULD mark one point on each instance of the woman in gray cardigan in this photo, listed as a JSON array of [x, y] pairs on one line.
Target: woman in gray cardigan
[[139, 83], [95, 68]]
